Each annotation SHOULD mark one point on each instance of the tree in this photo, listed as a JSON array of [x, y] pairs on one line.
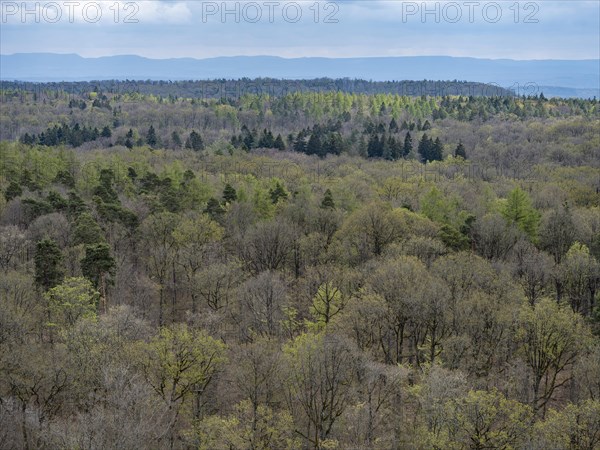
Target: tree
[[370, 229], [194, 142], [267, 245], [49, 271], [437, 150], [260, 429], [552, 336], [96, 265], [557, 232], [277, 193], [160, 250], [229, 194], [258, 373], [87, 230], [261, 301], [320, 372], [180, 363], [266, 140], [460, 151], [74, 298], [328, 302], [314, 143], [279, 144], [579, 273], [192, 237], [518, 210], [106, 133], [408, 145], [425, 148], [327, 202], [151, 138], [486, 419], [577, 426], [11, 242], [534, 269], [214, 208]]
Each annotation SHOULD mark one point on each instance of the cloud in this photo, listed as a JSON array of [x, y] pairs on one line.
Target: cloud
[[361, 28]]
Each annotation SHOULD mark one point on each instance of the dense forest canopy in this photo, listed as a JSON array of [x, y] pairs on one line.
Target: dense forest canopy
[[352, 270], [230, 88]]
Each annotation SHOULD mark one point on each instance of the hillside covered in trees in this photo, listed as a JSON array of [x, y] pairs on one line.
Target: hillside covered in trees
[[297, 270]]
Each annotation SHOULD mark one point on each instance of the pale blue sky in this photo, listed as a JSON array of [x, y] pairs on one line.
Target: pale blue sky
[[543, 29]]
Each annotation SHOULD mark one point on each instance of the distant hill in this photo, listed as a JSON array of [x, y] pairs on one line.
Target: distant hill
[[558, 77]]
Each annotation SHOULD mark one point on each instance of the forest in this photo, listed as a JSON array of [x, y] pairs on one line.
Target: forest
[[357, 267]]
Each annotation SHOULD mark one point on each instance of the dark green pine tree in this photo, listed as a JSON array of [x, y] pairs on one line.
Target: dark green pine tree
[[266, 140], [279, 144], [408, 145], [437, 150], [393, 126], [106, 133], [314, 144], [151, 138], [229, 194], [105, 189], [214, 208], [86, 230], [395, 148], [96, 265], [194, 142], [49, 271], [327, 202], [425, 147], [374, 147], [386, 149], [300, 142], [460, 151]]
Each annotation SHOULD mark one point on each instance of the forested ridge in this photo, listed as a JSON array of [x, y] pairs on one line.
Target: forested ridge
[[236, 88], [352, 270]]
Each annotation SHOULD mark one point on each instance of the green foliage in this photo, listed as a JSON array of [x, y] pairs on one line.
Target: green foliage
[[518, 210], [486, 419], [262, 429], [577, 426], [328, 303], [328, 202], [551, 337], [49, 269], [214, 208], [277, 193], [229, 194], [87, 230], [96, 265], [180, 361], [71, 300]]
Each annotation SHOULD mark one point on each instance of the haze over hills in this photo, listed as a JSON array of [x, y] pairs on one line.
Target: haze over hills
[[567, 78]]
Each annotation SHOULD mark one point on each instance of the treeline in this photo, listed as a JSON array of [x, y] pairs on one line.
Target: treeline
[[235, 89]]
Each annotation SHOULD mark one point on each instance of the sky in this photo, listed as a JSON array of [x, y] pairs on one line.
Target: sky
[[542, 29]]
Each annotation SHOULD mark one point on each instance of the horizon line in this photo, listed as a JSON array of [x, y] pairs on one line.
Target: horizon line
[[293, 58]]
